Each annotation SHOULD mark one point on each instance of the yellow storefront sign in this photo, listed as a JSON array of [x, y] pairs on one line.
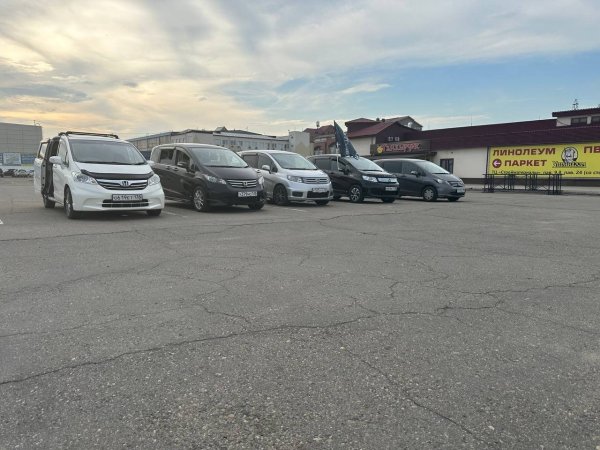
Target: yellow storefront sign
[[571, 160]]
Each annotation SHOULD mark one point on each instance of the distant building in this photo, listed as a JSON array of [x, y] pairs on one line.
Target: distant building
[[18, 144], [235, 140], [568, 144], [322, 139]]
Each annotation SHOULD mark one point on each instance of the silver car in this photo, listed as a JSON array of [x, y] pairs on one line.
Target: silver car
[[289, 177]]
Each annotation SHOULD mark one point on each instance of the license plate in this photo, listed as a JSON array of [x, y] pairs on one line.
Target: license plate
[[247, 194], [126, 197], [319, 190], [460, 190], [390, 188]]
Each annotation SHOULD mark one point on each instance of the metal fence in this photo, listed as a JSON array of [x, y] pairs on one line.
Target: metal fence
[[549, 183]]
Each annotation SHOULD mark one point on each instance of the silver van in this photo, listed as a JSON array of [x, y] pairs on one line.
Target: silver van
[[289, 177]]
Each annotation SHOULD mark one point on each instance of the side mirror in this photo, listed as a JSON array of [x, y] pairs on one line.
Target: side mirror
[[55, 160], [346, 171], [415, 173], [151, 163], [266, 167], [182, 164]]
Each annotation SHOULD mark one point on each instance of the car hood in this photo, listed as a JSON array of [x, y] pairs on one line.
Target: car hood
[[114, 169], [446, 177], [306, 173], [232, 173]]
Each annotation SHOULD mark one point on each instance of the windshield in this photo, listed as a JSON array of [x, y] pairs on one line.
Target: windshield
[[293, 161], [106, 152], [363, 164], [432, 168], [217, 157]]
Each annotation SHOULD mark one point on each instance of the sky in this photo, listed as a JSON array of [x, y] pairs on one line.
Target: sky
[[137, 67]]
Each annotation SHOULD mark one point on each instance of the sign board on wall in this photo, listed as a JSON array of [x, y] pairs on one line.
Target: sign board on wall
[[571, 160], [400, 147]]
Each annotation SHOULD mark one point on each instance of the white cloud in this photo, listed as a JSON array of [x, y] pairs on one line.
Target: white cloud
[[365, 87]]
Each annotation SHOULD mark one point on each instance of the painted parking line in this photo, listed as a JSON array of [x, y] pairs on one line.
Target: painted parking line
[[173, 214]]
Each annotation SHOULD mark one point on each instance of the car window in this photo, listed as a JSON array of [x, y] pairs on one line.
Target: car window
[[182, 157], [166, 156], [62, 152], [264, 160], [393, 166], [322, 163], [42, 151], [338, 165], [408, 167], [251, 160]]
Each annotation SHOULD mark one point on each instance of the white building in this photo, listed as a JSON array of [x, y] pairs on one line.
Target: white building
[[18, 144], [236, 140]]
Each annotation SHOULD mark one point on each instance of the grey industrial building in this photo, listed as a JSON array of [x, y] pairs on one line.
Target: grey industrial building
[[18, 144]]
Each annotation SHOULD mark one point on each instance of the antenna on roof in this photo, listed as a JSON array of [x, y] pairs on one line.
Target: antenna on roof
[[575, 104]]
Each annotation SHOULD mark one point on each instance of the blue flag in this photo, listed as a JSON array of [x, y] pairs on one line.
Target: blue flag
[[345, 147]]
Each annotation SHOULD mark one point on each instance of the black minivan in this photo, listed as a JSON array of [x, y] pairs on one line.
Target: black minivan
[[357, 178], [421, 178], [206, 175]]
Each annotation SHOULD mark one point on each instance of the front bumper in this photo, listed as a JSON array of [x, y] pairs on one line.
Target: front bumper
[[91, 197], [219, 194], [304, 192], [445, 191], [380, 190]]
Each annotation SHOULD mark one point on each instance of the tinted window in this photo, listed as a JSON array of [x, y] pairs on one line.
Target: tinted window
[[393, 166], [322, 163], [182, 157], [264, 160], [166, 156], [252, 160], [338, 164], [217, 157], [408, 167], [363, 164], [430, 167]]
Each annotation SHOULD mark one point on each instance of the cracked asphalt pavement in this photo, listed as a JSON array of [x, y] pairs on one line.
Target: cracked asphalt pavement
[[408, 325]]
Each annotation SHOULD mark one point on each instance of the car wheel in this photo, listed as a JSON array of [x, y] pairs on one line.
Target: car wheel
[[356, 194], [154, 212], [321, 202], [453, 199], [429, 194], [280, 196], [256, 206], [69, 211], [199, 200], [388, 199], [47, 202]]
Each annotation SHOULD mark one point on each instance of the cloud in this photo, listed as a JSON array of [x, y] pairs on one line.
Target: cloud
[[365, 87], [157, 65]]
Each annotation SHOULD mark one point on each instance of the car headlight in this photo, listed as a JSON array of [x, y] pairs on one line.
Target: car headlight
[[82, 178], [215, 179], [154, 179], [393, 180], [261, 180], [367, 178], [295, 179]]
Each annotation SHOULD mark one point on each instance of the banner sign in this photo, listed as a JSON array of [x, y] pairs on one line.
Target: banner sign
[[571, 160], [400, 147]]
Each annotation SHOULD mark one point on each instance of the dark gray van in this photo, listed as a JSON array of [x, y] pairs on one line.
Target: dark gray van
[[421, 178]]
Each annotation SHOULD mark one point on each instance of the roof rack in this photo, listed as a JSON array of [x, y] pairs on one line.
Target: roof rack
[[66, 133]]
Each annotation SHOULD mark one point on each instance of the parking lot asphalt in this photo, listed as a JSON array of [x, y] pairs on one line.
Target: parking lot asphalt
[[408, 325]]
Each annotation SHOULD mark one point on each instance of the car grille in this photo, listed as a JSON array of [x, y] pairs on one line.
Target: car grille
[[134, 204], [242, 184], [455, 183], [123, 185], [316, 180], [386, 180], [317, 194]]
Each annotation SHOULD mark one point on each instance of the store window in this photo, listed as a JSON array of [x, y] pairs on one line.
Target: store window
[[596, 120], [447, 164], [579, 121]]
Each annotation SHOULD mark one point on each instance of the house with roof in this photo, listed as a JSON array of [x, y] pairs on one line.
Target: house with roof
[[537, 146]]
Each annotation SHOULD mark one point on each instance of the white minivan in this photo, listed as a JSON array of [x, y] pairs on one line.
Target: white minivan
[[289, 177], [95, 172]]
